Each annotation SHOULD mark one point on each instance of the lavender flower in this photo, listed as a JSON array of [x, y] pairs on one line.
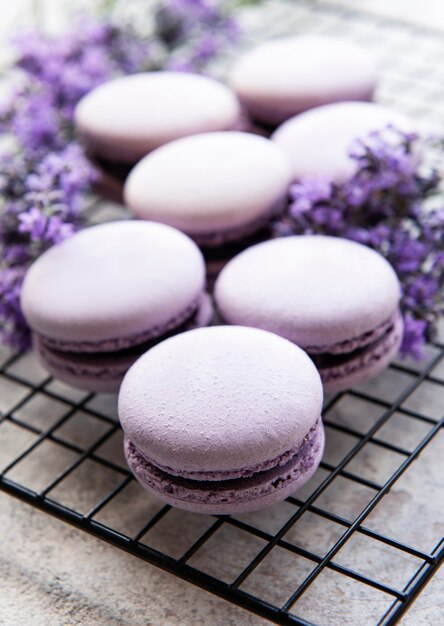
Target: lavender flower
[[43, 178], [66, 68], [382, 205], [413, 341], [195, 31], [40, 206], [32, 223], [15, 332]]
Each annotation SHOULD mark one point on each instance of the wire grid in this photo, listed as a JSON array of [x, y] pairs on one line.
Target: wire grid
[[61, 448]]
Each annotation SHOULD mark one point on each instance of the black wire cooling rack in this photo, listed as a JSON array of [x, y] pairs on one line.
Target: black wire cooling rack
[[364, 536]]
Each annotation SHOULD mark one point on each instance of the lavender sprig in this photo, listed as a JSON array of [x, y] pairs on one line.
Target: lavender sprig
[[382, 205], [40, 206]]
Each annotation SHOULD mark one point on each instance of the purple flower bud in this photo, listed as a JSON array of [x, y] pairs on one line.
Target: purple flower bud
[[57, 230], [414, 338], [32, 222]]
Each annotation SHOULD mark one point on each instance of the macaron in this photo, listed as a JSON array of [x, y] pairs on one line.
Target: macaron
[[124, 119], [216, 187], [337, 299], [100, 299], [222, 420], [335, 127], [286, 76]]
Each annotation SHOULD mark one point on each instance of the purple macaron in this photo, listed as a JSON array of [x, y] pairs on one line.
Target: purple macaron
[[99, 300], [215, 187], [222, 420], [286, 76], [125, 118], [337, 299], [335, 127]]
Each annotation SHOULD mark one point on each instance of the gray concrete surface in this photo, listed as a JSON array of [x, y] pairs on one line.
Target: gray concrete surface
[[53, 575]]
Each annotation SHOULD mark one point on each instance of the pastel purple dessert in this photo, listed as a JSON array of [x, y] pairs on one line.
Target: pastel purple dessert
[[286, 76], [125, 118], [222, 420], [99, 300], [215, 187], [335, 127], [337, 299]]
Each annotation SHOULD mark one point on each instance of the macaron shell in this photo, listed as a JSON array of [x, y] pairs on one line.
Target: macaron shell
[[211, 183], [101, 377], [335, 127], [365, 367], [234, 406], [313, 290], [237, 500], [127, 117], [103, 372], [283, 77], [113, 281]]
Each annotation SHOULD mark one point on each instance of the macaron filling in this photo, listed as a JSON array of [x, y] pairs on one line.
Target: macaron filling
[[116, 169], [101, 360], [363, 351], [215, 487]]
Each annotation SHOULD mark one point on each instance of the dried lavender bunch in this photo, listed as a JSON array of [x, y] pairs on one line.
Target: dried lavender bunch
[[384, 205], [44, 174]]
